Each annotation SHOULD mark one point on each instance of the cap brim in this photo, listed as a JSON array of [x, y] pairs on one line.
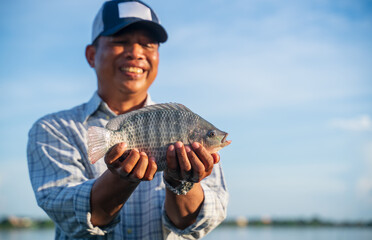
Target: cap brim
[[158, 31]]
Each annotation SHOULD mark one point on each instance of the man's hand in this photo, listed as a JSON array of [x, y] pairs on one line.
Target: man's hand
[[135, 167], [113, 188], [192, 165]]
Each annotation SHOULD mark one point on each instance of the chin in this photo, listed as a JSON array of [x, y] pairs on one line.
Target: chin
[[132, 90]]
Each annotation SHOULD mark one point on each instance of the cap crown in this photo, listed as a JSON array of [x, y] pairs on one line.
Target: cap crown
[[115, 15]]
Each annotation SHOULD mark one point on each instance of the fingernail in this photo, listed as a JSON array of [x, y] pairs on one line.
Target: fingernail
[[135, 149], [195, 145], [188, 149], [171, 148], [143, 154], [152, 159], [123, 145], [178, 145]]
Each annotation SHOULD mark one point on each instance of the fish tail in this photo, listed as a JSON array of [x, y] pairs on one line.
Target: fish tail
[[98, 143]]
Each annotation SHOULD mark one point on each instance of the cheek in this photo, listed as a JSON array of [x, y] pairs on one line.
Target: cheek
[[202, 141], [106, 56], [212, 142], [154, 61]]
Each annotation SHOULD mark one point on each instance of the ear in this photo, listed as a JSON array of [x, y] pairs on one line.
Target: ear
[[90, 53]]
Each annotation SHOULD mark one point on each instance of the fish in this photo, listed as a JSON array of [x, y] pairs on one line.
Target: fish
[[152, 129]]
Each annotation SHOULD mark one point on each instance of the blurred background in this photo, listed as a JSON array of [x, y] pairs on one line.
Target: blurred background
[[291, 81]]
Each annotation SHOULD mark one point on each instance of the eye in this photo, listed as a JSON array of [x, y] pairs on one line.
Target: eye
[[211, 133]]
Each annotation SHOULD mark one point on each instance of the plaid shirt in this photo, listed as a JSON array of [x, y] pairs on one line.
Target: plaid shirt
[[62, 178]]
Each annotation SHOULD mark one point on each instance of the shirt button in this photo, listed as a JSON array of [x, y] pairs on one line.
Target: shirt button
[[129, 230], [107, 117]]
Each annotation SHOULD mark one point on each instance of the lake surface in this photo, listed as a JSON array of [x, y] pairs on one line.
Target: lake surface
[[291, 233], [226, 233]]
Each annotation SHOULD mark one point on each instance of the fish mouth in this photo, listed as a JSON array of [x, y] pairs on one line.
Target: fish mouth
[[225, 142]]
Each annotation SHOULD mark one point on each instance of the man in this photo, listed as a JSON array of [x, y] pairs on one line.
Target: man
[[122, 197]]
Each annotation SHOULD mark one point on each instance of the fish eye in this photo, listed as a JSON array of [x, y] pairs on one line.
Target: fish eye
[[211, 133]]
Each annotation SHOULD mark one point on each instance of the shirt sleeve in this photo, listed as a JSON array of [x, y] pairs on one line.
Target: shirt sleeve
[[211, 214], [59, 179]]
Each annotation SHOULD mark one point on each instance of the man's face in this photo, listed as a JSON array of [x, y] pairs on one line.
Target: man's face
[[126, 63]]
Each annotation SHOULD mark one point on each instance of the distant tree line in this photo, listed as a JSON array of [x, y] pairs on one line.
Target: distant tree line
[[24, 222], [314, 222]]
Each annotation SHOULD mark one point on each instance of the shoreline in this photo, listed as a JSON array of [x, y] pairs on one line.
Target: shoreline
[[13, 222]]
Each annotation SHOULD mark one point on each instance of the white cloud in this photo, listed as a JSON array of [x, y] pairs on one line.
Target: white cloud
[[360, 123], [288, 57]]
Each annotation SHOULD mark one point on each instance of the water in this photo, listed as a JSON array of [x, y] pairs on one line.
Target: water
[[27, 234], [225, 233], [291, 233]]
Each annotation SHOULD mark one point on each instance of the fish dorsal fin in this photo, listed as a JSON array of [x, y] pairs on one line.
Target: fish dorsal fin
[[165, 106], [115, 123]]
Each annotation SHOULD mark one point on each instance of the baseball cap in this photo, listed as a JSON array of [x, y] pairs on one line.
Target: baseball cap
[[116, 15]]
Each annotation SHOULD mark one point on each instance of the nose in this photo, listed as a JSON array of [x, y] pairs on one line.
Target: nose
[[133, 51]]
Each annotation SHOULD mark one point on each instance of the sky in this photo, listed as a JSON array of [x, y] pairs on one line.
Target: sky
[[290, 81]]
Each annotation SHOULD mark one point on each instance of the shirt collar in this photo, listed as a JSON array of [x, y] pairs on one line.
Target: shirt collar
[[96, 102], [91, 106]]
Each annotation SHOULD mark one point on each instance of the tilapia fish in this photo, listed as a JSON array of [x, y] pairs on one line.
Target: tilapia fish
[[152, 129]]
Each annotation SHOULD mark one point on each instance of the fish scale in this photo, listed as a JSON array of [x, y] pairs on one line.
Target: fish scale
[[153, 132], [151, 129]]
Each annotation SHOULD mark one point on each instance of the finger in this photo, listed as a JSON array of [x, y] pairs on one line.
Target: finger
[[173, 168], [183, 160], [216, 158], [129, 163], [140, 169], [151, 170], [198, 169], [204, 156], [172, 158], [115, 152], [124, 155]]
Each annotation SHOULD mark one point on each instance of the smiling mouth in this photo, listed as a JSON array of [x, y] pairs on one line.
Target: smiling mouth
[[136, 70]]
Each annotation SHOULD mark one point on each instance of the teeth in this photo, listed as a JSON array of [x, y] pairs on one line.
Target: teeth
[[132, 69]]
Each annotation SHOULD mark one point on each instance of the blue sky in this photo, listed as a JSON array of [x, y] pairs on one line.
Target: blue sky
[[291, 81]]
